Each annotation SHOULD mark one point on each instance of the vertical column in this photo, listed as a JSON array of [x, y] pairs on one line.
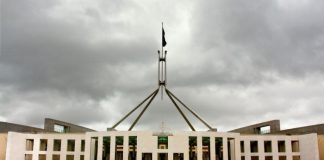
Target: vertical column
[[50, 142], [288, 148], [125, 148], [274, 144], [112, 147], [212, 148], [261, 148], [199, 148], [36, 148], [237, 148], [225, 148], [99, 150]]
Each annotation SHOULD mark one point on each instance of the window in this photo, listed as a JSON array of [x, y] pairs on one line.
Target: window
[[81, 157], [105, 148], [267, 146], [42, 157], [146, 156], [254, 157], [242, 157], [28, 157], [282, 158], [242, 146], [265, 130], [43, 145], [254, 146], [206, 148], [119, 148], [162, 142], [29, 144], [268, 157], [162, 156], [70, 145], [295, 146], [132, 147], [56, 157], [281, 146], [219, 148], [82, 145], [192, 148], [177, 156], [61, 128], [69, 157], [57, 145], [296, 157]]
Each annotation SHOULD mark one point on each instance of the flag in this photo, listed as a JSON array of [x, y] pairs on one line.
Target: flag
[[164, 43]]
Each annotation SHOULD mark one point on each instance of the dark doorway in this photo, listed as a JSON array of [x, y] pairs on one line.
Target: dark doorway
[[162, 156], [146, 156], [177, 156]]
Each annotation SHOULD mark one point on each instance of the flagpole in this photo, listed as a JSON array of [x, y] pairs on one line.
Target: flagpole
[[162, 76]]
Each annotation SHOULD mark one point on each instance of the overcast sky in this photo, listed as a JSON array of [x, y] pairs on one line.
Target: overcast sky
[[235, 62]]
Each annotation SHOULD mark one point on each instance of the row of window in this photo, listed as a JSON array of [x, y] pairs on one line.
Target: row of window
[[268, 146], [57, 145], [54, 157], [271, 157]]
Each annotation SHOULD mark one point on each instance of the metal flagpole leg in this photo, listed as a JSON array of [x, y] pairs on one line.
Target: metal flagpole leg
[[183, 115], [192, 112], [139, 116], [134, 109]]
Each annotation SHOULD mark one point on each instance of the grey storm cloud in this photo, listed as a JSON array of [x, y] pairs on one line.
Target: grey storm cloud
[[234, 62]]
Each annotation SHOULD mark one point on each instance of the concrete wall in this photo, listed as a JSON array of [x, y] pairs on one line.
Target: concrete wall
[[72, 128], [274, 125], [16, 145], [3, 145], [321, 146], [319, 129], [6, 127]]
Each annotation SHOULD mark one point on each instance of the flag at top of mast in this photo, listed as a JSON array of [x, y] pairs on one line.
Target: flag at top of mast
[[164, 43]]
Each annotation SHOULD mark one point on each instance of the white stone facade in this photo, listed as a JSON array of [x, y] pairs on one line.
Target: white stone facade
[[89, 146]]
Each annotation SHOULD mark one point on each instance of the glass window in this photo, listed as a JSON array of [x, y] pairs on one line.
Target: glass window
[[219, 148], [43, 145], [296, 157], [82, 145], [254, 146], [281, 146], [71, 145], [146, 156], [295, 146], [177, 156], [57, 145], [162, 142], [69, 157], [254, 157], [206, 148], [105, 148], [56, 157], [192, 148], [282, 158], [28, 157], [267, 146], [132, 147], [119, 148], [29, 144], [41, 157], [242, 146], [268, 158]]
